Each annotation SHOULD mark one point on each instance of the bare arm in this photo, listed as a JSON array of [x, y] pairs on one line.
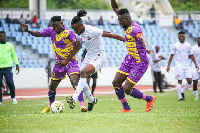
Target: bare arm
[[33, 33], [112, 35], [194, 60], [115, 6], [145, 43], [169, 62]]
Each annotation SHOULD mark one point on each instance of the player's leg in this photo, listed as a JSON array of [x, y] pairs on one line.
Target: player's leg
[[155, 81], [9, 80], [160, 82], [188, 76], [120, 77], [195, 90], [136, 73], [94, 82], [179, 77], [74, 78], [1, 77]]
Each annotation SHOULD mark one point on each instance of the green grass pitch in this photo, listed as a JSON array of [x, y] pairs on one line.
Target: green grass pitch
[[168, 115]]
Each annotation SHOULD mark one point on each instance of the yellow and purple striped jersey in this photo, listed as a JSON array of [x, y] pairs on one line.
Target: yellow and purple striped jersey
[[62, 43]]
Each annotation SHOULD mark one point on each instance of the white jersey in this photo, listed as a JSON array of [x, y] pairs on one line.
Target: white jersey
[[196, 53], [181, 52], [156, 66], [92, 39]]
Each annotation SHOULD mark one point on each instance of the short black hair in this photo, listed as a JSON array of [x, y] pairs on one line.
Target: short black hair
[[77, 18], [181, 32], [3, 32], [123, 11], [56, 19]]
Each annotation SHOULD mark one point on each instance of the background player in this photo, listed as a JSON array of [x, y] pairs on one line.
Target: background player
[[95, 58], [63, 42], [135, 63], [181, 50], [93, 76], [195, 73]]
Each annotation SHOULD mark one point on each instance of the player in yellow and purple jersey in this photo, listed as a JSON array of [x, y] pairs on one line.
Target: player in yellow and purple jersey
[[63, 41], [135, 63]]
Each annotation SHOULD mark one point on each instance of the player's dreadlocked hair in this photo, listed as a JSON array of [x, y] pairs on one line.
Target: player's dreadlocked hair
[[56, 19], [123, 11], [77, 18]]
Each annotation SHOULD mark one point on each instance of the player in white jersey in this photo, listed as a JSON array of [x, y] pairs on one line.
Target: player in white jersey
[[182, 51], [95, 58], [195, 73]]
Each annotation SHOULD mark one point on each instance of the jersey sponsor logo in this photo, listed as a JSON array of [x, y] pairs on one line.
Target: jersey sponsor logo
[[133, 75], [88, 38]]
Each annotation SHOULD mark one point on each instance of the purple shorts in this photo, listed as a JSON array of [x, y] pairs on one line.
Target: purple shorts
[[60, 72], [132, 69]]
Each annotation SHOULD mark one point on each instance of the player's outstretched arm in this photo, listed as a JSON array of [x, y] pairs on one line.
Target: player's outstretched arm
[[112, 35], [194, 60], [145, 43], [169, 62], [115, 6], [33, 33]]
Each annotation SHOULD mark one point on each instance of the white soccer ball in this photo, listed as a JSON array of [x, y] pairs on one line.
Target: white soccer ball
[[57, 107]]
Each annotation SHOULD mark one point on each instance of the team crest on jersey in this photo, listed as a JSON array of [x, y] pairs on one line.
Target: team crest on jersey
[[133, 75], [73, 68], [63, 39], [88, 38]]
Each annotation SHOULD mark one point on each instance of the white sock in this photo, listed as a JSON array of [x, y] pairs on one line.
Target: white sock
[[187, 86], [79, 88], [87, 93], [195, 94], [178, 89]]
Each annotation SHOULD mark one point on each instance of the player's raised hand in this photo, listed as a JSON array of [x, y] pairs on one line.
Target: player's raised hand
[[25, 26], [168, 68]]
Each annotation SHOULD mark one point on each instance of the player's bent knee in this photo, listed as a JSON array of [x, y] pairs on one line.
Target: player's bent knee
[[127, 91], [83, 74]]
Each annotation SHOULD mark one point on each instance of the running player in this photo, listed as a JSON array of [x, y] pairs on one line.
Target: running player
[[181, 50], [63, 42], [95, 58], [195, 73], [135, 63]]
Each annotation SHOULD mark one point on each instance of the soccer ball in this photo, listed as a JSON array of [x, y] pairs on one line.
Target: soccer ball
[[57, 107]]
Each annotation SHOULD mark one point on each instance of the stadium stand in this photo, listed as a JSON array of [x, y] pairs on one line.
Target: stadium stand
[[115, 50]]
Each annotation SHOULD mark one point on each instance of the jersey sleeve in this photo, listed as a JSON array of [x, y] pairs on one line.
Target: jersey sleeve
[[173, 49], [190, 51], [72, 37], [14, 55], [136, 31], [46, 32], [96, 31]]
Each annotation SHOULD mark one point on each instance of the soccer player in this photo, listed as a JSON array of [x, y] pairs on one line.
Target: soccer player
[[135, 63], [195, 73], [93, 76], [95, 58], [181, 50], [63, 41]]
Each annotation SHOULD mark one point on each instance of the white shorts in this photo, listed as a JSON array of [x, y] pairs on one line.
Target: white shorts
[[98, 62], [182, 73], [195, 74]]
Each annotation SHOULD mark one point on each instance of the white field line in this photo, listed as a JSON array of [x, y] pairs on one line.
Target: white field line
[[96, 92]]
